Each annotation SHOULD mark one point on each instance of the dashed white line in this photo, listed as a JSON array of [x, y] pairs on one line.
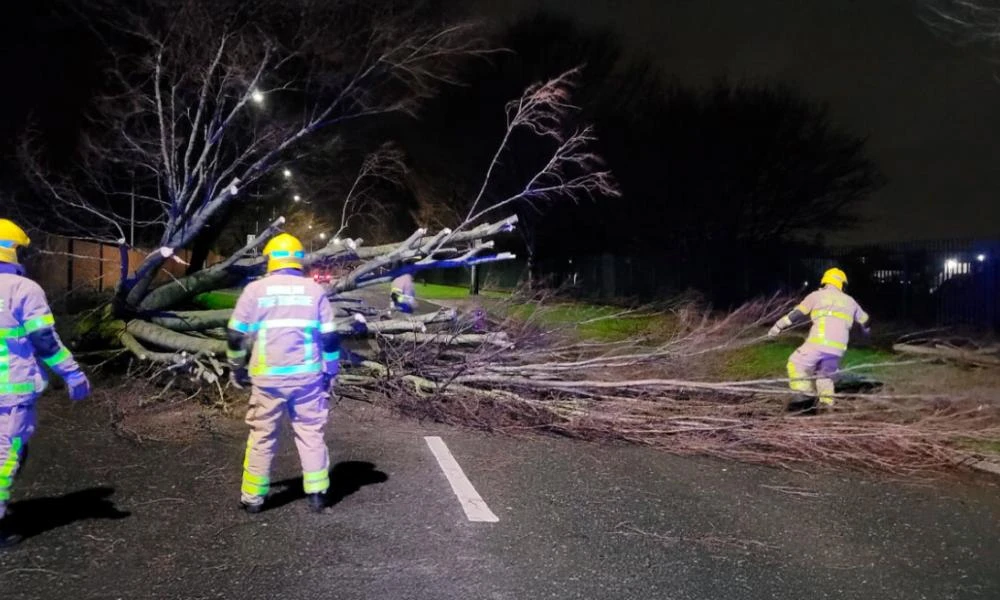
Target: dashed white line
[[473, 505]]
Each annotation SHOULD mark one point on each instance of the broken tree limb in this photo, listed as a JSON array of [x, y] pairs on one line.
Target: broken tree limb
[[981, 357], [162, 337], [466, 339], [193, 320], [202, 320], [142, 353]]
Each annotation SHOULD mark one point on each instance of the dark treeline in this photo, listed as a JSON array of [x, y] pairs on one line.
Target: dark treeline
[[721, 183]]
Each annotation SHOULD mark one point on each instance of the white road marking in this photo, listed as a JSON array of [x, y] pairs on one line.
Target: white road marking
[[473, 505]]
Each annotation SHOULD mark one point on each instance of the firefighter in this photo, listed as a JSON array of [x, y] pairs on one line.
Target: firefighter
[[288, 321], [27, 337], [402, 295], [812, 366]]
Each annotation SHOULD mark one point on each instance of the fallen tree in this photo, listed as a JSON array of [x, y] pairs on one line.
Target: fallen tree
[[185, 136], [211, 102], [665, 393], [967, 353]]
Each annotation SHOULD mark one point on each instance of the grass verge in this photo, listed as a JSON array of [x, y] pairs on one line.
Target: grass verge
[[768, 359], [434, 291]]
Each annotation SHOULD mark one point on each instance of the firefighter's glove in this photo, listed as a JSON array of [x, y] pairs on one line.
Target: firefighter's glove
[[78, 385], [239, 377], [774, 332]]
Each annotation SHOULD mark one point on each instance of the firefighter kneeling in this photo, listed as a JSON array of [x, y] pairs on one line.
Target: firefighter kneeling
[[292, 364], [812, 366]]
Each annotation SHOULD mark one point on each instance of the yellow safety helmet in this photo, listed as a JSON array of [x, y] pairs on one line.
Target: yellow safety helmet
[[834, 277], [11, 238], [284, 251]]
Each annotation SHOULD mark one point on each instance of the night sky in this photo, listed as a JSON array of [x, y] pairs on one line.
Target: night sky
[[932, 110]]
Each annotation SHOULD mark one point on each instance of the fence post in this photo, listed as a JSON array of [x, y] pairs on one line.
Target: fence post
[[100, 267], [607, 276], [69, 265], [474, 280]]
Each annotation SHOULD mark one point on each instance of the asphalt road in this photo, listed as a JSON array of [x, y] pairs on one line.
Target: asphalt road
[[109, 518]]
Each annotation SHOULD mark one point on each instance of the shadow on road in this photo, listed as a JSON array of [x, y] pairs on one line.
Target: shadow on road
[[346, 478], [37, 515]]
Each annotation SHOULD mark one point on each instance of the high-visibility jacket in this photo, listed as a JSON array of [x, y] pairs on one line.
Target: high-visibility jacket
[[288, 321], [832, 313], [27, 339]]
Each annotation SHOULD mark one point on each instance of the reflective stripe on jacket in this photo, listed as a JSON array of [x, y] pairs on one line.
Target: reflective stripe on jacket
[[25, 316], [833, 313], [285, 316]]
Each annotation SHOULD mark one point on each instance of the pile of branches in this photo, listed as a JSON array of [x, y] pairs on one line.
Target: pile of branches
[[537, 378]]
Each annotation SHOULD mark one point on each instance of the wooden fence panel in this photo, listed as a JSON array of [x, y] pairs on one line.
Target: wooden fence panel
[[66, 266]]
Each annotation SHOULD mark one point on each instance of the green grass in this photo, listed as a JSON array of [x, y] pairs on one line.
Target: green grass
[[590, 321], [768, 359], [982, 446], [434, 291], [427, 291], [587, 318], [217, 299], [597, 323]]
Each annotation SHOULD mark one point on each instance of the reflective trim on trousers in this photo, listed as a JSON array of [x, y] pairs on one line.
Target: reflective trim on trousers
[[9, 468], [253, 485], [825, 390], [799, 380], [316, 482]]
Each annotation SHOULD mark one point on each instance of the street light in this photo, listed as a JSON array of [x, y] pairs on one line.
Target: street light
[[257, 96], [322, 236], [981, 258], [287, 173], [297, 198]]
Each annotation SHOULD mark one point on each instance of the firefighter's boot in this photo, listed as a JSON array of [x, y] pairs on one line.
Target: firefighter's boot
[[317, 502], [8, 537], [802, 404], [252, 507]]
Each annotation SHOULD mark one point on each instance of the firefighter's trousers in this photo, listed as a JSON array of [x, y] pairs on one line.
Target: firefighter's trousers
[[17, 425], [810, 371], [307, 408]]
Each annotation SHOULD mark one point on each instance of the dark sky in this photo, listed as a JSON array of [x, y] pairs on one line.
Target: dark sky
[[48, 70], [931, 110]]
